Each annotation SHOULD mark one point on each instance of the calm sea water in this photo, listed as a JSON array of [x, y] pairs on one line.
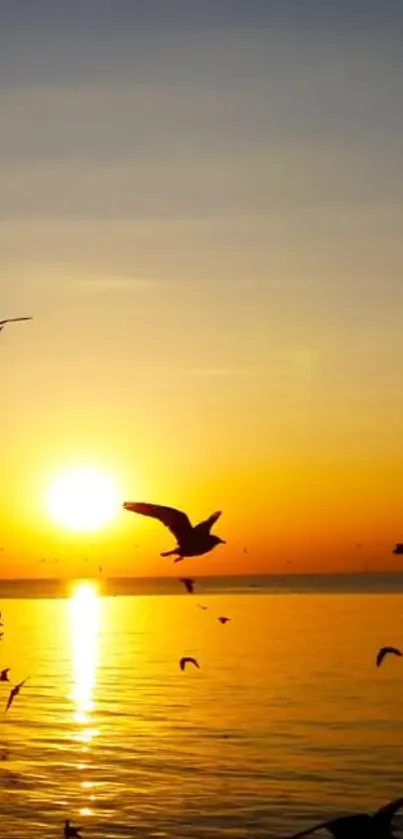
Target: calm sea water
[[287, 721]]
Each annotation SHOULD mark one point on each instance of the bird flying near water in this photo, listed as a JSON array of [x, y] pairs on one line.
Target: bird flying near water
[[188, 583], [398, 549], [4, 323], [14, 692], [223, 619], [386, 651], [192, 541], [4, 675], [188, 660], [360, 826]]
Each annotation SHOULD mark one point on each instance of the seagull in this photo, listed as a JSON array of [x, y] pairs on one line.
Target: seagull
[[14, 692], [364, 826], [224, 619], [202, 607], [71, 832], [187, 660], [192, 541], [4, 675], [188, 583], [398, 549], [4, 323], [385, 651]]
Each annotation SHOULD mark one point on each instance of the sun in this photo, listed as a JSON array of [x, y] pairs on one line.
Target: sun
[[83, 499]]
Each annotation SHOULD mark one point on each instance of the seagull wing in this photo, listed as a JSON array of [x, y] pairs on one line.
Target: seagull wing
[[188, 583], [12, 320], [11, 698], [387, 812], [386, 651], [187, 660], [208, 524], [176, 521]]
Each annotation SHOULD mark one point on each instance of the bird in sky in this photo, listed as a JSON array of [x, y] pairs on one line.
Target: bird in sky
[[14, 692], [188, 583], [202, 607], [4, 675], [71, 832], [1, 619], [192, 541], [188, 660], [4, 323], [398, 549], [223, 619], [386, 651], [362, 825]]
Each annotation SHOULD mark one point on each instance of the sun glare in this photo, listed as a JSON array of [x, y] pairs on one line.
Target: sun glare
[[84, 615], [83, 499]]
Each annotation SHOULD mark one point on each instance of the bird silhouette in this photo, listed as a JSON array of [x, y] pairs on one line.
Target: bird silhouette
[[398, 549], [14, 692], [202, 607], [188, 660], [1, 619], [386, 651], [71, 832], [4, 675], [192, 541], [223, 619], [188, 583], [4, 323], [1, 636], [360, 826]]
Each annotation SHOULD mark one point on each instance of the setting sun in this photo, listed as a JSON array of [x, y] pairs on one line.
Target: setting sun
[[83, 499]]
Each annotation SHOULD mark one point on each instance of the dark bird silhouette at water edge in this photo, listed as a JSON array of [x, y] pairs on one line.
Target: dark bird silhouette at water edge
[[360, 826], [188, 583], [4, 675], [71, 832], [192, 541]]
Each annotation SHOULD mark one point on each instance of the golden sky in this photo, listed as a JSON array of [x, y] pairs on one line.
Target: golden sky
[[203, 211]]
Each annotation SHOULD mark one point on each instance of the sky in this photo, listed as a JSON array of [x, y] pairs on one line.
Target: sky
[[201, 205]]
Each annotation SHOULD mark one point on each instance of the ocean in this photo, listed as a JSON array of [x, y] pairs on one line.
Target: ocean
[[286, 723]]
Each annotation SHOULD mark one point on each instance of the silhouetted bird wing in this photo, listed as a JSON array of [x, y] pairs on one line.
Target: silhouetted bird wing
[[187, 660], [386, 651], [176, 521], [12, 320], [11, 697], [188, 583], [398, 549], [3, 674], [205, 526], [386, 813]]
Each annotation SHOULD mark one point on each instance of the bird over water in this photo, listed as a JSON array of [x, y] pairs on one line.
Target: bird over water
[[192, 541], [384, 651], [360, 826], [4, 322]]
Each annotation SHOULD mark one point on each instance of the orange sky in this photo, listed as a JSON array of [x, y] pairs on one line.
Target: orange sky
[[205, 220]]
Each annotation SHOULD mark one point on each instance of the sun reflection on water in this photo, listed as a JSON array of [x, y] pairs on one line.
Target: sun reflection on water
[[85, 620]]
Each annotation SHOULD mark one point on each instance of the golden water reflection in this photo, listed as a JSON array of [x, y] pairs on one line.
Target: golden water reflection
[[84, 621]]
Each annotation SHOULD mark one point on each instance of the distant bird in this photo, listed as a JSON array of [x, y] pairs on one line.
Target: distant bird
[[386, 651], [187, 660], [199, 605], [224, 619], [71, 832], [4, 675], [4, 323], [14, 692], [188, 583], [1, 635], [398, 549], [361, 826], [192, 541]]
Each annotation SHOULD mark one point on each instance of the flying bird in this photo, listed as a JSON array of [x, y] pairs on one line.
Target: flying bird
[[71, 832], [4, 323], [360, 826], [4, 675], [192, 541], [202, 607], [398, 549], [386, 651], [187, 660], [188, 583], [223, 619], [14, 692]]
